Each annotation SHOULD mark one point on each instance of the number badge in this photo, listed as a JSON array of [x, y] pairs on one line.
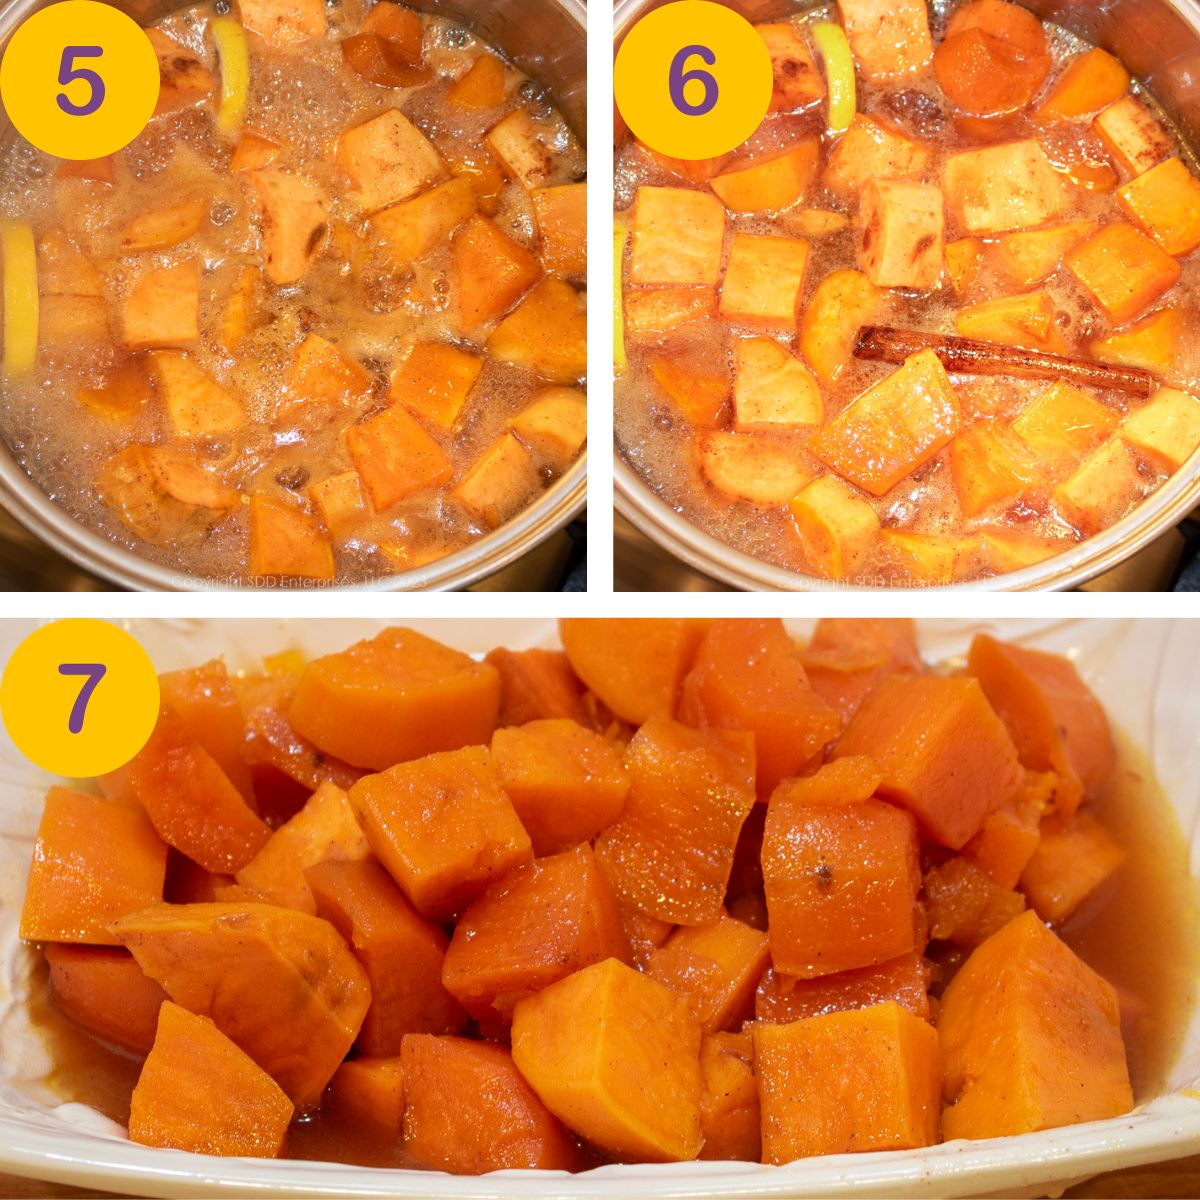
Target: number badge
[[79, 79], [693, 79], [79, 698]]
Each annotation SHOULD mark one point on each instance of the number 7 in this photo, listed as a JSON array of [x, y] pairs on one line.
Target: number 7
[[94, 672]]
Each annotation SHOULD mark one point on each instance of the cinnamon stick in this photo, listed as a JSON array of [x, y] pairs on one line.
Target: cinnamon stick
[[969, 356]]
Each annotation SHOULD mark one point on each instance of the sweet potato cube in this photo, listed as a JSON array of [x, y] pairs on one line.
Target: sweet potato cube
[[847, 657], [489, 273], [367, 1095], [796, 80], [753, 467], [537, 925], [395, 697], [840, 305], [1091, 81], [387, 159], [104, 991], [1132, 135], [835, 525], [584, 1043], [198, 1091], [697, 387], [1103, 489], [401, 27], [964, 905], [253, 150], [1010, 186], [729, 1113], [183, 80], [747, 676], [1030, 255], [862, 1079], [651, 312], [678, 236], [763, 280], [164, 227], [402, 954], [990, 465], [483, 85], [769, 183], [872, 149], [1074, 858], [1054, 720], [1062, 425], [443, 828], [901, 242], [293, 215], [1155, 342], [1165, 203], [773, 387], [532, 151], [435, 381], [191, 802], [561, 216], [412, 228], [284, 22], [888, 39], [1009, 834], [842, 781], [635, 666], [536, 685], [945, 754], [1030, 1038], [964, 257], [94, 861], [239, 314], [1167, 427], [163, 307], [501, 482], [286, 542], [63, 269], [280, 984], [781, 999], [841, 884], [554, 426], [715, 968], [395, 458], [338, 501], [546, 333], [196, 405], [894, 427], [671, 850], [566, 782], [1028, 320], [500, 1122], [929, 558], [1123, 270]]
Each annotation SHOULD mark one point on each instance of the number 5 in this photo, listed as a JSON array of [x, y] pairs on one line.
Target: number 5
[[95, 673], [68, 72]]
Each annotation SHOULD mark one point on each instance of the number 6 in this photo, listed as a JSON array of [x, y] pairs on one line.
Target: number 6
[[68, 72], [679, 78]]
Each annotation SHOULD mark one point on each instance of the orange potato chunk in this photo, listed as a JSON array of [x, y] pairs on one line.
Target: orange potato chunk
[[1027, 320], [901, 242], [1104, 488], [1061, 425], [1030, 255], [434, 381], [678, 235], [293, 214], [840, 305], [990, 465], [651, 312], [1155, 342], [1167, 427], [773, 387], [1010, 186], [1074, 858], [387, 158], [395, 458], [284, 22], [1132, 135], [763, 280], [872, 149], [561, 216], [781, 999], [163, 307], [287, 543], [367, 1094], [489, 273], [554, 426], [1123, 270], [482, 85], [501, 482], [847, 657], [1009, 834], [768, 183], [412, 228], [729, 1113], [888, 39], [546, 333], [835, 525], [1091, 81], [1165, 203], [796, 80]]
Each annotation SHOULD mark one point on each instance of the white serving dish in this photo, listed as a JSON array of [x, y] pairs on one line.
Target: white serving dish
[[1145, 671]]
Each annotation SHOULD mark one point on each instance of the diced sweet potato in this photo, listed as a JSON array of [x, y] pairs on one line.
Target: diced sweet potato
[[401, 27], [964, 257], [396, 697], [901, 242], [1012, 550], [71, 327], [286, 542], [535, 926], [847, 657], [536, 153], [1165, 203], [655, 311], [63, 269], [929, 558], [196, 405], [1062, 425], [1123, 270], [863, 1079], [163, 307], [435, 381], [284, 22], [339, 502], [191, 802], [387, 158], [500, 483], [715, 968], [325, 828], [1166, 427], [1028, 320], [94, 862], [872, 149], [773, 387], [945, 754], [367, 1094], [553, 426], [781, 999], [678, 235], [753, 467], [634, 666], [990, 465], [546, 333], [164, 227], [892, 428], [500, 1122], [671, 850], [104, 991], [489, 272], [410, 229], [293, 216], [566, 782], [280, 984], [1155, 342], [561, 215], [442, 826], [1073, 859], [842, 781], [1009, 834], [1105, 487], [253, 150], [1091, 81], [747, 676], [769, 183], [240, 312], [1030, 1038], [1055, 721], [815, 222], [840, 305], [796, 80], [729, 1114], [1010, 186], [835, 525], [183, 80], [403, 955], [198, 1091], [697, 387], [1030, 255], [536, 685], [888, 40], [585, 1044], [964, 905], [395, 458], [763, 280], [1132, 135], [483, 85]]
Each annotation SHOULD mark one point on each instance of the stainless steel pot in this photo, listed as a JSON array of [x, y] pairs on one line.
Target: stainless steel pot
[[1159, 41], [547, 40]]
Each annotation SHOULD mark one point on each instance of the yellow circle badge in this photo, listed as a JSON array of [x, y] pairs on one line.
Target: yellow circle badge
[[693, 79], [79, 698], [79, 79]]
